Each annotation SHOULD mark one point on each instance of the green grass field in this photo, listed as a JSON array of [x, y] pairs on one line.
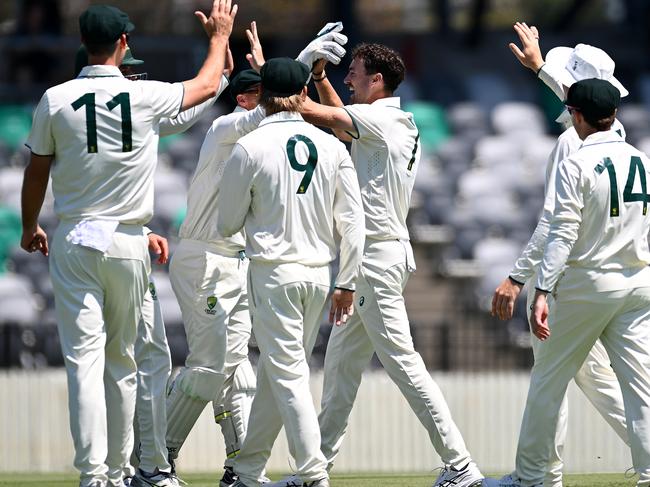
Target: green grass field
[[361, 480]]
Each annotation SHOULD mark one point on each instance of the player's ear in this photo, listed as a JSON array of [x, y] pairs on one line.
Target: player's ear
[[377, 78]]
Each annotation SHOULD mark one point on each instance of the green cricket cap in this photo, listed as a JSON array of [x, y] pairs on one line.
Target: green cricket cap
[[102, 24], [595, 98], [284, 76], [243, 80], [129, 60], [81, 59]]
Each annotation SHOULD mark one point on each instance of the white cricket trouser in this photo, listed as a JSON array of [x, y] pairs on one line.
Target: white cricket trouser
[[597, 380], [154, 367], [211, 292], [286, 318], [381, 325], [98, 298], [621, 319]]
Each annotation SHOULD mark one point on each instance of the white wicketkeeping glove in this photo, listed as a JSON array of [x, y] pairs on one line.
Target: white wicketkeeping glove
[[327, 45]]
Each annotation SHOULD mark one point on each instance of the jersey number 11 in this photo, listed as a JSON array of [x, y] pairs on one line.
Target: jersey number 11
[[123, 100]]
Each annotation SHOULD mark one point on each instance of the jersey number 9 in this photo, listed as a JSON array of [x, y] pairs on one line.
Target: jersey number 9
[[309, 166]]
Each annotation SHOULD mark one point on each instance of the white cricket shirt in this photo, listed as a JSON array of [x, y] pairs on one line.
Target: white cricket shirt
[[201, 220], [102, 130], [386, 155], [529, 259], [288, 182], [600, 224]]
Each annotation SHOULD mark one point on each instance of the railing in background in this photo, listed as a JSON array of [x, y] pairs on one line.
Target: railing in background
[[383, 435]]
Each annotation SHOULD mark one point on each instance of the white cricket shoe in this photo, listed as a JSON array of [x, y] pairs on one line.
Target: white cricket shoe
[[290, 481], [160, 479], [295, 481], [509, 480], [468, 476]]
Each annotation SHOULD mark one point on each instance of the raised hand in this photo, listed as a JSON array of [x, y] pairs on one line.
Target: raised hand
[[256, 57], [221, 19], [529, 55], [229, 67], [327, 45]]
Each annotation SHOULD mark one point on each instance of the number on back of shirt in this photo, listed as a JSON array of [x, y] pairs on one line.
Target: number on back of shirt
[[309, 166], [636, 170], [123, 100]]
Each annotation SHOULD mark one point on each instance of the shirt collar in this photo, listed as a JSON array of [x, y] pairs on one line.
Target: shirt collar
[[602, 137], [100, 71], [391, 101], [282, 117], [239, 109]]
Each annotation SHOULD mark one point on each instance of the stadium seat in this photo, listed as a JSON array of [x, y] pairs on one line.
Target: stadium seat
[[170, 189], [10, 233], [15, 124], [514, 118], [431, 122], [18, 304]]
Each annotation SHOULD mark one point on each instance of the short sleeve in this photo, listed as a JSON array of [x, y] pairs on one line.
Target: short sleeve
[[40, 140], [165, 99], [367, 120]]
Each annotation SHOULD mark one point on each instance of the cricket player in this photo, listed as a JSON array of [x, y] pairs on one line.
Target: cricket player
[[102, 131], [595, 378], [386, 154], [152, 355], [215, 306], [595, 264], [291, 186], [208, 275]]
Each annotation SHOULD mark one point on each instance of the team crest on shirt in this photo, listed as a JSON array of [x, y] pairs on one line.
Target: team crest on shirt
[[152, 291], [362, 300], [211, 302]]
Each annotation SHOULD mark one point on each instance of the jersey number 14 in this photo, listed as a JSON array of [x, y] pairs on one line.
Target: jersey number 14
[[636, 167], [123, 100]]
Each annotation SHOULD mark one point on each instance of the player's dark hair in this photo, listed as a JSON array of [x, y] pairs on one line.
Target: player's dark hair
[[378, 58], [600, 124], [103, 49]]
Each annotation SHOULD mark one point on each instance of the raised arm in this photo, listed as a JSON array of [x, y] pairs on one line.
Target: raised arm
[[335, 118], [530, 56], [184, 120], [218, 27]]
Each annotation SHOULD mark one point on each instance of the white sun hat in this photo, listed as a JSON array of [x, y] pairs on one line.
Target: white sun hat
[[582, 62], [568, 65]]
